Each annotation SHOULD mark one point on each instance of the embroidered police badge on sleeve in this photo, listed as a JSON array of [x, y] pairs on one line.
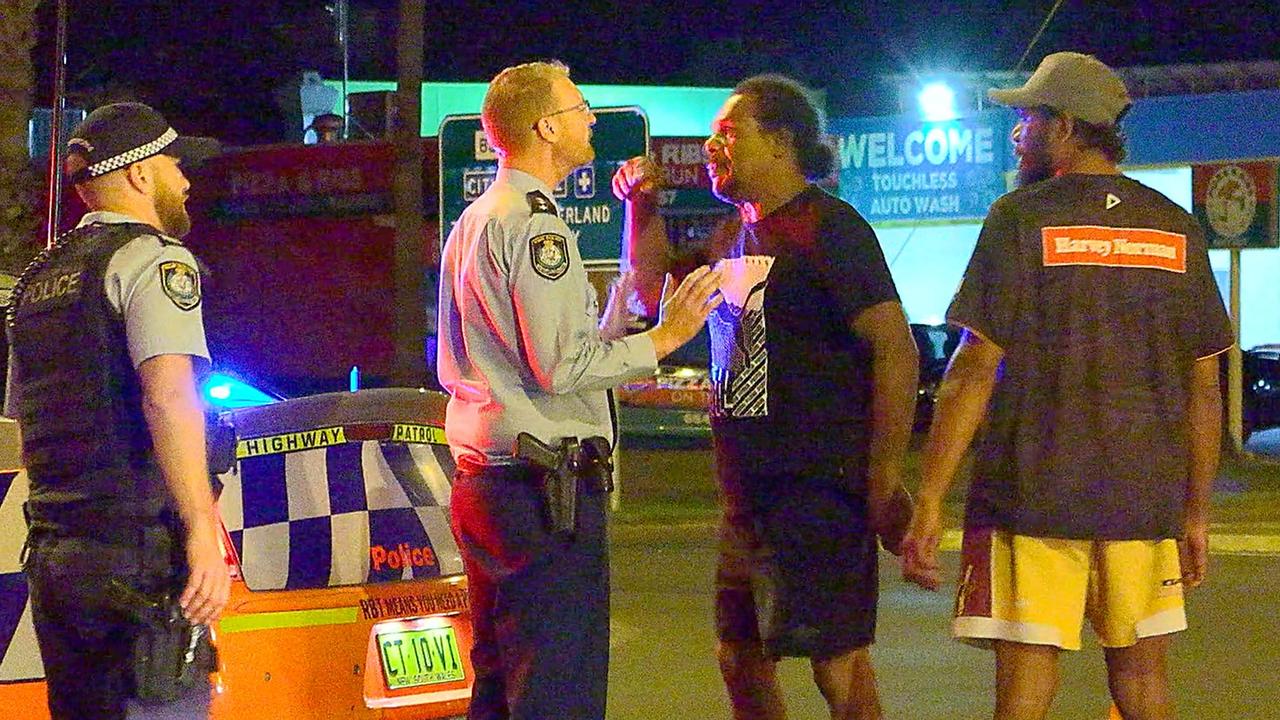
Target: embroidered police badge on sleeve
[[550, 255], [181, 283], [539, 203]]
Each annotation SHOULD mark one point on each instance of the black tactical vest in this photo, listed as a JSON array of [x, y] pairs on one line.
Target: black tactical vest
[[85, 442]]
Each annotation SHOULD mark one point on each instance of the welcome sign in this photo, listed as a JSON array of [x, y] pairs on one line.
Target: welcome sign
[[902, 169]]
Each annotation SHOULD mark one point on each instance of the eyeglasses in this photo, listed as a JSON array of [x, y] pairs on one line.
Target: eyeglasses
[[583, 106]]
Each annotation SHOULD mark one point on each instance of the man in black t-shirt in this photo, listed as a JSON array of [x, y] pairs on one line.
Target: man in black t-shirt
[[1092, 324], [813, 372]]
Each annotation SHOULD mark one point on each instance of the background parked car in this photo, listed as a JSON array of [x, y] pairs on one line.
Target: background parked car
[[671, 407], [935, 343], [1261, 388], [1261, 377]]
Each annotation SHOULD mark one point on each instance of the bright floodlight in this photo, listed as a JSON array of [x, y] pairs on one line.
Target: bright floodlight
[[937, 102]]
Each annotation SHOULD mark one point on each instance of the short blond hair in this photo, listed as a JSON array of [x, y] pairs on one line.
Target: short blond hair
[[517, 97]]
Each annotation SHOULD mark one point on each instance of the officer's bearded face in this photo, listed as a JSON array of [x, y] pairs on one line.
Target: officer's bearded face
[[171, 197]]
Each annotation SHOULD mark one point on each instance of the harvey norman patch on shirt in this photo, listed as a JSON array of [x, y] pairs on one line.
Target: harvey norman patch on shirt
[[1114, 247]]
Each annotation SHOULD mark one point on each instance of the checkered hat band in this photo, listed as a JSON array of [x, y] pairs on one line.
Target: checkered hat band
[[132, 156]]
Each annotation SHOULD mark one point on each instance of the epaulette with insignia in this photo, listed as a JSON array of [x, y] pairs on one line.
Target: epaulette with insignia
[[539, 203]]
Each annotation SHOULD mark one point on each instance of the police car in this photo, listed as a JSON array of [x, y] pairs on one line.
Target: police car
[[1261, 378], [936, 343], [348, 598]]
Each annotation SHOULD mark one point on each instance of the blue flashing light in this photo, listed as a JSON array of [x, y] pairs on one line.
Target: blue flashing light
[[223, 391], [937, 102]]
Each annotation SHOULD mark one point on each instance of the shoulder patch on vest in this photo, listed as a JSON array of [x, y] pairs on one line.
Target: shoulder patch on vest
[[539, 203], [549, 253], [181, 283]]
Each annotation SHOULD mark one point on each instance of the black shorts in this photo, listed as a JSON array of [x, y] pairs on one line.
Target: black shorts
[[799, 575]]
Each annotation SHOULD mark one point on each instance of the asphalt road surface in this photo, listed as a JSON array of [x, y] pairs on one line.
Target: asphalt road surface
[[1224, 667]]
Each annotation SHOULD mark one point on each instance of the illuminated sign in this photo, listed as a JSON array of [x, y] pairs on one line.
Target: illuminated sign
[[338, 179], [585, 199], [902, 169], [683, 161], [673, 110], [686, 203], [684, 165], [1236, 203]]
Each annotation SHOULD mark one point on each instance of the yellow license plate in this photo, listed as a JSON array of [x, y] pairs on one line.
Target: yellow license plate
[[420, 657]]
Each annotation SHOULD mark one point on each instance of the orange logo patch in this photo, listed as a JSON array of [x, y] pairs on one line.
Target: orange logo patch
[[1114, 247]]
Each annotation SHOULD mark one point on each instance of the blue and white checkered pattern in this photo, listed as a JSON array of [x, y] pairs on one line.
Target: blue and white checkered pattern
[[132, 156], [313, 518], [19, 654], [302, 520]]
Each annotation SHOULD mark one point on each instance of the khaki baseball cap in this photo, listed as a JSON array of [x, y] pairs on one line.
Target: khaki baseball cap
[[1074, 84]]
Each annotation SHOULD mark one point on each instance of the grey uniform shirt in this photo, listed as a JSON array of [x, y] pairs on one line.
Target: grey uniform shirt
[[519, 345], [135, 285]]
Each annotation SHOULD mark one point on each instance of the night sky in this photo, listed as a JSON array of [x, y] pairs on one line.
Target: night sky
[[213, 65]]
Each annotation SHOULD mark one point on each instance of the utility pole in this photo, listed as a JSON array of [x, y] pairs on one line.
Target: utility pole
[[56, 127], [409, 314], [342, 11]]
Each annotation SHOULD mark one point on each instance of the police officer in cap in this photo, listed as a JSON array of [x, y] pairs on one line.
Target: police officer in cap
[[106, 343], [521, 351]]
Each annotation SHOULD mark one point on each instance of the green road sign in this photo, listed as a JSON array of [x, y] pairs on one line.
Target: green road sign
[[468, 166]]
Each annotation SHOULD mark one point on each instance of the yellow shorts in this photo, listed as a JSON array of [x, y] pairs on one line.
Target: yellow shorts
[[1039, 590]]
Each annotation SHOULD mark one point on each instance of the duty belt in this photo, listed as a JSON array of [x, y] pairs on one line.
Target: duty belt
[[560, 471], [114, 524]]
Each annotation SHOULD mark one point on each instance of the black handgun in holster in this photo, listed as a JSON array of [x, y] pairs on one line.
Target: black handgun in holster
[[563, 468], [169, 653]]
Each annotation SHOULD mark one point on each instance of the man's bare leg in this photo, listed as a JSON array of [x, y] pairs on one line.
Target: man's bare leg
[[848, 683], [1139, 679], [1026, 680], [752, 681]]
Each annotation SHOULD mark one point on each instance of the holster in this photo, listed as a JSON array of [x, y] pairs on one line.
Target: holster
[[564, 469], [169, 656], [220, 444], [169, 653]]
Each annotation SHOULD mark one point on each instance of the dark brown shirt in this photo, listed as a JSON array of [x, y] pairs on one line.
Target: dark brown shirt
[[1099, 291]]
